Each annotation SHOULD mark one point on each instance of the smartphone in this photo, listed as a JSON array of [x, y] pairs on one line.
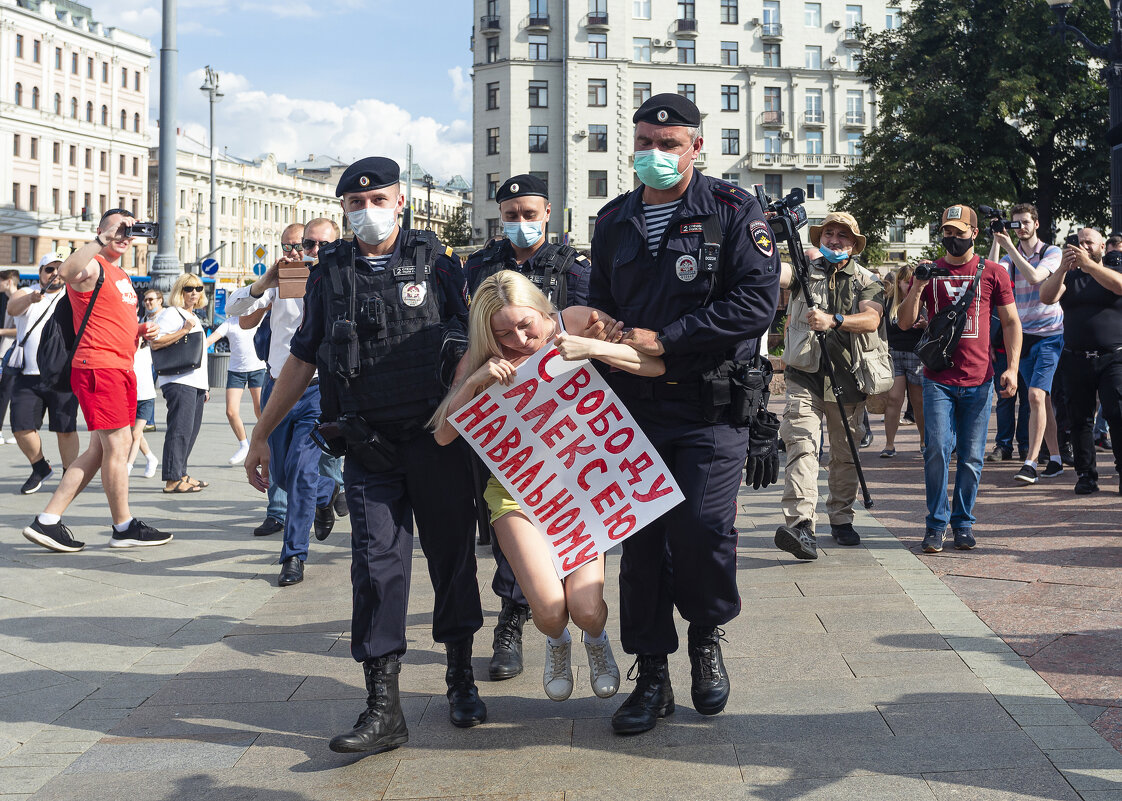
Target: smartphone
[[1072, 240], [148, 230]]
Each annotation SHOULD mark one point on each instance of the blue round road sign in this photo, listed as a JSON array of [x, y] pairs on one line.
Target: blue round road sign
[[259, 268], [209, 266]]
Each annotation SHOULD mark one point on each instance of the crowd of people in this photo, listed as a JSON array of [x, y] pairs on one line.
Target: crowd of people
[[355, 366]]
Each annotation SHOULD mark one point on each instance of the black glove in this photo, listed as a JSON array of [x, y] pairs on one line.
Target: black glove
[[762, 467]]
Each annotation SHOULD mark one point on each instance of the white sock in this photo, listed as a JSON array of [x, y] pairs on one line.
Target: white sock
[[243, 443], [562, 640], [603, 638], [1030, 463], [1056, 459], [121, 528], [151, 458], [49, 520]]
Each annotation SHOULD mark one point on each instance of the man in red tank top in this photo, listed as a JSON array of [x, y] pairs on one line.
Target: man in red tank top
[[102, 377]]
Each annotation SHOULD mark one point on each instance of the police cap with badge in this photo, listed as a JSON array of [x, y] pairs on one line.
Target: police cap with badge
[[373, 172], [668, 109], [521, 186]]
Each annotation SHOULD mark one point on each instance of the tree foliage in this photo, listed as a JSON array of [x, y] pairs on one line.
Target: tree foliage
[[980, 104], [457, 233]]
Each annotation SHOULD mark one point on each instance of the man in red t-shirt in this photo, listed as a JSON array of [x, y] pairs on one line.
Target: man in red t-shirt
[[956, 401], [102, 377]]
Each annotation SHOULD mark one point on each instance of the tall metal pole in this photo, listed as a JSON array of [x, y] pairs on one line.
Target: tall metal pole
[[165, 267], [210, 88], [1113, 75]]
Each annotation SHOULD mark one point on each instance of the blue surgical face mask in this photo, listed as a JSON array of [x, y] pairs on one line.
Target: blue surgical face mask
[[833, 256], [523, 234], [657, 169]]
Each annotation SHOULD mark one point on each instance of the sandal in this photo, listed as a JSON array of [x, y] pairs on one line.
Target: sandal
[[888, 453], [194, 482], [181, 487]]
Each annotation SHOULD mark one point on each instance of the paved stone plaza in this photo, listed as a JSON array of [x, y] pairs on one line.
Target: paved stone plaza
[[183, 672]]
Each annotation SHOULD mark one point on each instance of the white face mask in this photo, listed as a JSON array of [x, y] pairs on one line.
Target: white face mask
[[372, 225]]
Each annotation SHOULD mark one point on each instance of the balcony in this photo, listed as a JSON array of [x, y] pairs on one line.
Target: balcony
[[771, 32], [686, 28], [770, 119], [852, 36], [538, 24], [490, 25], [854, 119], [802, 161], [814, 119], [596, 21]]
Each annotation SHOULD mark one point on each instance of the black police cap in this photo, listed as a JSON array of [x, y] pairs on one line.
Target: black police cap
[[668, 109], [373, 172], [522, 186]]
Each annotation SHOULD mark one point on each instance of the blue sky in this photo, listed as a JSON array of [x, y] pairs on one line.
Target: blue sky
[[346, 78]]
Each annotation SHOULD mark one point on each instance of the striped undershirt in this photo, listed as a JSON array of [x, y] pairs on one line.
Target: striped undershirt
[[656, 218], [377, 263]]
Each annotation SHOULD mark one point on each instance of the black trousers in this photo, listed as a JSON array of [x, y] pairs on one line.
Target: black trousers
[[433, 485], [185, 416], [1083, 378], [7, 379]]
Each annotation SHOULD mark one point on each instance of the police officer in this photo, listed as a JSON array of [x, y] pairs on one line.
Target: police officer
[[688, 262], [562, 274], [375, 313]]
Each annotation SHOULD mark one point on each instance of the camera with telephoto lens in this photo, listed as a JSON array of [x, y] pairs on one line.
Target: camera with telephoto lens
[[926, 270], [785, 216], [998, 223], [1113, 259], [147, 230]]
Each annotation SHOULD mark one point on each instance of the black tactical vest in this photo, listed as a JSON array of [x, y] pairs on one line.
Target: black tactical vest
[[548, 269], [396, 315]]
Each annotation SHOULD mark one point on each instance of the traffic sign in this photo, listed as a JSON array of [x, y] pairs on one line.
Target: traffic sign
[[259, 268], [259, 252], [209, 266]]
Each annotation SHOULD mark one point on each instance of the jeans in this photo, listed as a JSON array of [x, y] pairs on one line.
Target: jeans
[[953, 414], [1007, 411], [185, 415], [277, 507]]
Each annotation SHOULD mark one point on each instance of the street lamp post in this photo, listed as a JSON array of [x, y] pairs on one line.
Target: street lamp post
[[427, 180], [165, 266], [1112, 73], [210, 87]]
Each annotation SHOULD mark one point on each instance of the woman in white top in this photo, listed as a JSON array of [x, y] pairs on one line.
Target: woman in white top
[[246, 370], [186, 393], [145, 406]]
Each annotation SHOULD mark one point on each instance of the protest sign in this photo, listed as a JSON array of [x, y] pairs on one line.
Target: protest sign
[[571, 455]]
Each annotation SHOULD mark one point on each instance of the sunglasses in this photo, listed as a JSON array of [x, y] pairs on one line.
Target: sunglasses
[[309, 244], [48, 270], [152, 299], [290, 248], [192, 289]]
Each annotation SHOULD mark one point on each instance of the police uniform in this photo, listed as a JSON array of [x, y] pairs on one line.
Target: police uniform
[[374, 330], [709, 309]]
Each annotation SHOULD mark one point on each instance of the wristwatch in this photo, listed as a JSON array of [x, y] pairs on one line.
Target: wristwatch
[[838, 320]]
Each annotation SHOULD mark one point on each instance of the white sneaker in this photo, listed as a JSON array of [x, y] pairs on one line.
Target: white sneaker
[[603, 673], [239, 457], [2, 440], [558, 675], [150, 468], [128, 469]]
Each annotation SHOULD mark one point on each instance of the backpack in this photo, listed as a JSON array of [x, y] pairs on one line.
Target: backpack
[[58, 342]]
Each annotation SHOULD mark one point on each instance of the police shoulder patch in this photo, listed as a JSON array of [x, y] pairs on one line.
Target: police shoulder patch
[[760, 232], [730, 193], [448, 251]]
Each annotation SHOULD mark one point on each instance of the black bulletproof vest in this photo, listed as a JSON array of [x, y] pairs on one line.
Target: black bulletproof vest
[[397, 315], [548, 269]]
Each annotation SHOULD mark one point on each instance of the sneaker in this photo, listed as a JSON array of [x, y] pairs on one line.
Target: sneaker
[[240, 454], [908, 417], [1054, 468], [603, 673], [128, 469], [1085, 485], [1103, 443], [888, 453], [964, 539], [797, 540], [844, 534], [138, 534], [1026, 475], [270, 526], [149, 427], [35, 481], [867, 439], [557, 678], [999, 454], [150, 468], [3, 441], [1067, 454], [55, 537], [933, 541]]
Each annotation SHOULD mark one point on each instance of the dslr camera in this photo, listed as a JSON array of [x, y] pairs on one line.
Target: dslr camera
[[785, 216], [998, 223], [926, 270], [147, 230]]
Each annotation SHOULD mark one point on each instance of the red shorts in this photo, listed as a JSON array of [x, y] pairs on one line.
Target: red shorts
[[106, 395]]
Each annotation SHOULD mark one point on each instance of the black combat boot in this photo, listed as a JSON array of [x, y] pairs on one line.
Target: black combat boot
[[506, 661], [381, 726], [652, 698], [465, 708], [710, 688]]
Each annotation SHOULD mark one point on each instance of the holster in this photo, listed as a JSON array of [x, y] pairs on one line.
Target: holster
[[355, 438], [732, 392]]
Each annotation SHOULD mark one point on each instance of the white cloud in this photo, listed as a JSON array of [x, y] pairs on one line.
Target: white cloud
[[461, 89]]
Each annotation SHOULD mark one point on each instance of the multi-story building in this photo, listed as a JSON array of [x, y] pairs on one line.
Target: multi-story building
[[73, 128], [256, 199], [557, 81]]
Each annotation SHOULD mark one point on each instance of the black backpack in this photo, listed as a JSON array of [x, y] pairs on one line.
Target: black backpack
[[58, 341]]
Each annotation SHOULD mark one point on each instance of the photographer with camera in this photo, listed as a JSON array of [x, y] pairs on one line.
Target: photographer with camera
[[959, 293], [1029, 262], [1089, 288], [848, 300]]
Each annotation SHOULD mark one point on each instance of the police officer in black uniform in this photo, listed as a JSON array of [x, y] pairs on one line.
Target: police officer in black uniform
[[562, 274], [376, 313], [688, 262]]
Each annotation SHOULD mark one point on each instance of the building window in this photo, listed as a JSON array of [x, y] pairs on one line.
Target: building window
[[641, 49], [74, 108], [124, 77], [19, 94], [542, 176], [730, 13], [492, 141], [104, 161], [124, 119], [771, 54], [812, 15], [853, 17], [19, 45], [105, 115], [16, 140], [814, 106], [730, 98], [492, 96], [58, 58], [136, 81], [136, 122], [730, 141], [539, 48], [35, 97], [855, 106], [121, 168], [640, 9], [640, 93], [591, 227], [853, 60], [539, 94], [853, 142], [89, 160], [89, 68], [812, 57], [598, 138], [70, 200], [597, 183], [891, 19], [732, 177], [539, 138], [73, 63], [773, 184], [136, 167], [33, 195], [15, 198], [35, 148], [686, 52], [56, 152], [73, 155], [896, 230], [814, 143], [597, 45], [58, 104], [688, 91], [105, 72], [814, 189], [597, 92], [730, 54], [773, 104], [492, 51], [685, 9], [54, 205], [772, 143]]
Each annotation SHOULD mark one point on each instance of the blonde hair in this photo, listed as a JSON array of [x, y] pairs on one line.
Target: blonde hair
[[503, 289], [175, 298], [899, 277]]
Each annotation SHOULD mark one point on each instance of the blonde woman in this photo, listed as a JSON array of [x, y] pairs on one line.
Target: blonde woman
[[185, 393], [510, 321], [905, 364]]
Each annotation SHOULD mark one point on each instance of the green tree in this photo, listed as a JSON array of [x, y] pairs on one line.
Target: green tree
[[980, 104], [457, 233]]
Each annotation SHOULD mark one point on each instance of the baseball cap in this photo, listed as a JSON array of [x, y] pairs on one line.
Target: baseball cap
[[961, 217], [51, 258]]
